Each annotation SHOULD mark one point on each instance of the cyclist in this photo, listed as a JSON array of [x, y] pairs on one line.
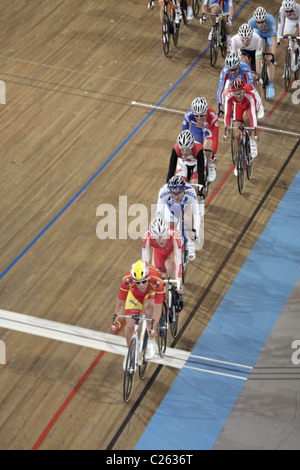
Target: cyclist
[[289, 17], [173, 198], [187, 159], [228, 8], [234, 68], [174, 4], [241, 101], [264, 24], [203, 123], [249, 43], [167, 250], [141, 288]]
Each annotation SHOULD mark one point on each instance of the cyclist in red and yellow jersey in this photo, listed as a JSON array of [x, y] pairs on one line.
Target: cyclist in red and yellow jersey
[[141, 288]]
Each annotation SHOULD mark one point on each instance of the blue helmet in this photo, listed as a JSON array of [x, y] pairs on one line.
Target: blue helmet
[[176, 183]]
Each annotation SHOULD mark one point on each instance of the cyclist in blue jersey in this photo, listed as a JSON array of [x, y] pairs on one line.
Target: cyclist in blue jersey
[[234, 68], [264, 24]]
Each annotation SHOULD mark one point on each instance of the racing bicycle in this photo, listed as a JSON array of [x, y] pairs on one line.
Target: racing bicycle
[[291, 60], [136, 352], [244, 161], [218, 37], [169, 28]]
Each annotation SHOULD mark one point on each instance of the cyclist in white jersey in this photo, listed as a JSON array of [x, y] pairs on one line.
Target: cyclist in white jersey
[[175, 197], [288, 22]]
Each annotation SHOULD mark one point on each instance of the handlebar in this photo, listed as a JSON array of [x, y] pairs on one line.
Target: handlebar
[[175, 281]]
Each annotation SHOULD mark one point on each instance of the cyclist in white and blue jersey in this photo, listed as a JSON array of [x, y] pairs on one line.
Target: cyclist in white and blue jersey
[[234, 68], [264, 24]]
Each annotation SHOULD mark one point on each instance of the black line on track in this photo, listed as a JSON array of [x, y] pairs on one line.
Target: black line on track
[[203, 296]]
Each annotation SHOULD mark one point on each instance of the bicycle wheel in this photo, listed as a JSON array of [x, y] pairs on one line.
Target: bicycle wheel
[[265, 79], [163, 331], [184, 262], [232, 142], [249, 159], [183, 6], [143, 365], [287, 72], [196, 8], [214, 46], [173, 314], [176, 29], [240, 161], [166, 36], [129, 370], [296, 73], [223, 40]]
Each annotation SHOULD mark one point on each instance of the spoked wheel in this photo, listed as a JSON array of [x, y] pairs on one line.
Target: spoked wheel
[[240, 161], [183, 6], [176, 29], [129, 370], [173, 314], [143, 365], [287, 71], [166, 36], [184, 264], [214, 47], [163, 331]]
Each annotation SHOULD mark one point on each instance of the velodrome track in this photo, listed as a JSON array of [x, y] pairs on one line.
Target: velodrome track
[[72, 141]]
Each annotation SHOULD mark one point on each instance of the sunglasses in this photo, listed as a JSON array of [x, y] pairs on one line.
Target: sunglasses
[[141, 282], [289, 11], [200, 115], [234, 70], [176, 193], [260, 22]]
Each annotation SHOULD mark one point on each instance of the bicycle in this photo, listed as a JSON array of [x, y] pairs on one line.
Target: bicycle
[[218, 37], [169, 316], [136, 352], [244, 161], [169, 27], [264, 73], [291, 60], [183, 6]]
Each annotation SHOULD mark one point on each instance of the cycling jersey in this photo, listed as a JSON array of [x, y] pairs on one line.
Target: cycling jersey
[[232, 105], [226, 4], [255, 44], [134, 297], [210, 129], [269, 30], [194, 160], [160, 254], [291, 22], [171, 211], [226, 78]]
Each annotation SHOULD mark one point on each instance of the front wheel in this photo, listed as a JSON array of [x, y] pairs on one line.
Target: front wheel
[[129, 370], [240, 160], [287, 72], [214, 47], [163, 331], [176, 29], [173, 318], [166, 36], [297, 64]]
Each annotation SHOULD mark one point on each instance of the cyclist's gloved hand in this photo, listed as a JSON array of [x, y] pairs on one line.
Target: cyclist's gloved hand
[[115, 326], [151, 5], [202, 19]]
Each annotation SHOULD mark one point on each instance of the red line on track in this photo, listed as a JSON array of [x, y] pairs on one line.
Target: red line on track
[[101, 354]]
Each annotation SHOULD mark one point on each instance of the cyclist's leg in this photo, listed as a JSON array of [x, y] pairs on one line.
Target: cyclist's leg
[[153, 311], [161, 11], [211, 166], [253, 144]]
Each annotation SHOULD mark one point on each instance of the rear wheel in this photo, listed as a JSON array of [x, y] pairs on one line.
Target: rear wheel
[[214, 47], [297, 64], [224, 40], [166, 36], [196, 8], [176, 29]]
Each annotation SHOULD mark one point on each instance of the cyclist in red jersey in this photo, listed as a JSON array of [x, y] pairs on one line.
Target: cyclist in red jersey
[[187, 160], [141, 289], [241, 101]]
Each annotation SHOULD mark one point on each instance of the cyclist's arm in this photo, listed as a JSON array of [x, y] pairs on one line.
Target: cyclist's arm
[[146, 249], [186, 121], [172, 164], [222, 81], [228, 109], [280, 23], [161, 202]]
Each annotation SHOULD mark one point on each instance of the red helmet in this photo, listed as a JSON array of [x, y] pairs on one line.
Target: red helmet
[[237, 84]]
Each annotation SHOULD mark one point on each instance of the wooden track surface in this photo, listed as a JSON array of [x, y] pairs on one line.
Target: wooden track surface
[[72, 70]]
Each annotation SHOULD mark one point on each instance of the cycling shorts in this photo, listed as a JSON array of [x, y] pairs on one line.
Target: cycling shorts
[[226, 4]]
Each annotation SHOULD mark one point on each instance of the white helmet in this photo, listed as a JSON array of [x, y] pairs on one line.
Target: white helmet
[[158, 227], [245, 31], [232, 60], [289, 5], [185, 139], [260, 14], [199, 106]]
